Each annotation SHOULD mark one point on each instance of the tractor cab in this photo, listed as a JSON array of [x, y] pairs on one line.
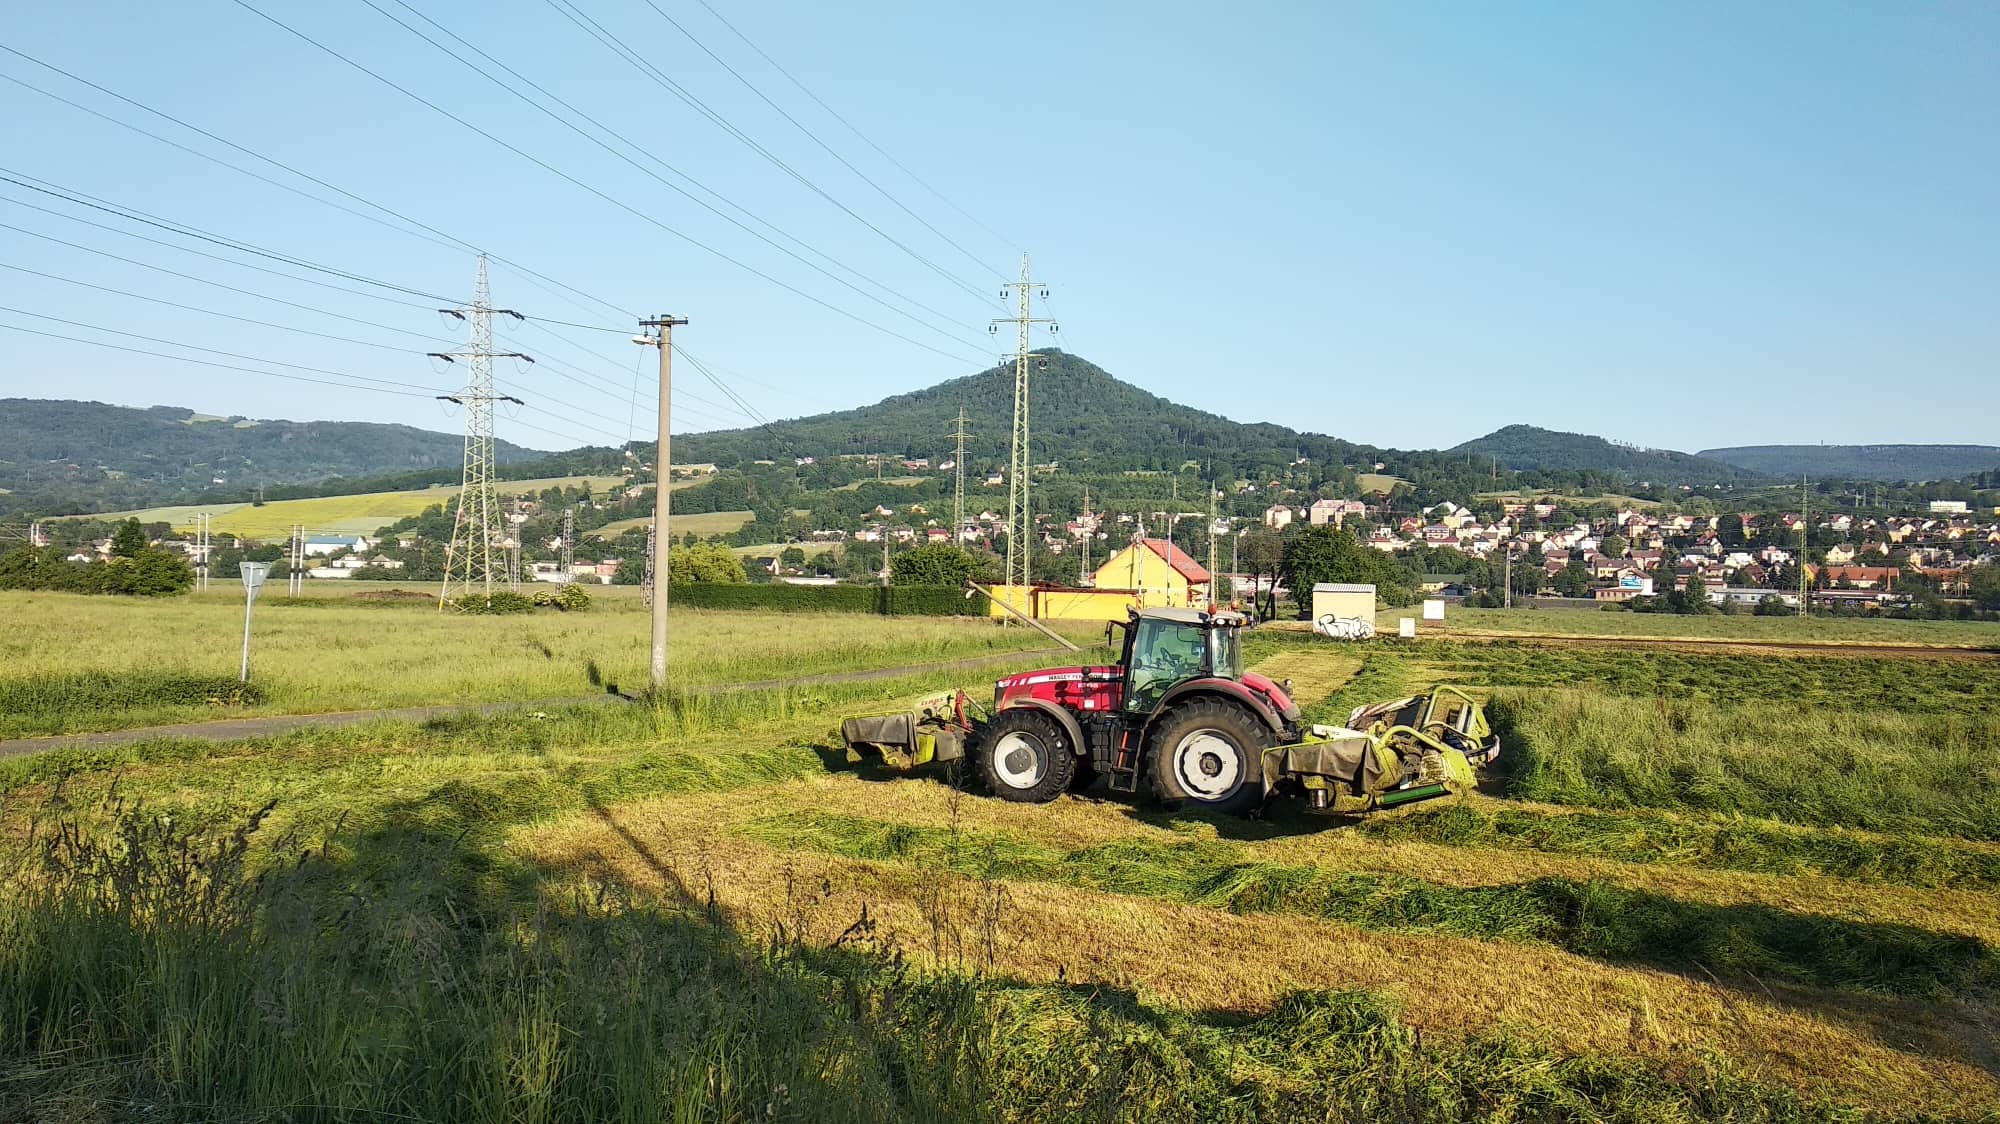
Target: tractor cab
[[1167, 647]]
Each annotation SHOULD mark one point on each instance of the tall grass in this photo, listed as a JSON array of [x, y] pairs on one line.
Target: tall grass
[[150, 976], [1590, 918], [1881, 770], [1722, 843]]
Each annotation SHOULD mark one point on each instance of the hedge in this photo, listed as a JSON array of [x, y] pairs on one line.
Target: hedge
[[894, 600]]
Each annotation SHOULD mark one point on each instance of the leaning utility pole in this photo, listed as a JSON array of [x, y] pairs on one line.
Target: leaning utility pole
[[958, 484], [662, 337], [1020, 521], [475, 530]]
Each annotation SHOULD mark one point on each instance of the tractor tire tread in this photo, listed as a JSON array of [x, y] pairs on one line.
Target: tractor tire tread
[[1062, 758]]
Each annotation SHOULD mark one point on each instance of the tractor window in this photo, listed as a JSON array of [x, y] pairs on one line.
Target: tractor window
[[1225, 653], [1164, 653]]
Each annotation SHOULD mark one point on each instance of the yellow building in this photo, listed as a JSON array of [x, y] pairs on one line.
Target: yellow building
[[1159, 574], [1151, 573]]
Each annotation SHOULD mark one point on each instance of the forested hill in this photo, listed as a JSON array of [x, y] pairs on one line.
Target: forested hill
[[1083, 419], [1863, 462], [1530, 448], [61, 456]]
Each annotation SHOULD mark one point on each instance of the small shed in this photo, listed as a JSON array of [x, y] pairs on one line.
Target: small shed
[[1339, 600]]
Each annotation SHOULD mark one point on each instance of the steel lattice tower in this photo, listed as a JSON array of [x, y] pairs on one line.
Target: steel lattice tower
[[469, 562], [1020, 521]]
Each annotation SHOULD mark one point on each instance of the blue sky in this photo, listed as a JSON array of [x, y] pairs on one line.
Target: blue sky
[[1682, 225]]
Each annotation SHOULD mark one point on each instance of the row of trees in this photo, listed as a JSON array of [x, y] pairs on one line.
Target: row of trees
[[135, 568]]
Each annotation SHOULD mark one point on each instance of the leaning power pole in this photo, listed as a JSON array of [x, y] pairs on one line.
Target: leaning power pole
[[1020, 521], [475, 531], [661, 540]]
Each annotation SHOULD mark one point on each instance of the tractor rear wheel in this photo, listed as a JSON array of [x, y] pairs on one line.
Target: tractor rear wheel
[[1023, 755], [1210, 754]]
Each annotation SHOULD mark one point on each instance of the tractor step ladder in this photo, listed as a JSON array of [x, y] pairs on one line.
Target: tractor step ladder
[[1124, 774]]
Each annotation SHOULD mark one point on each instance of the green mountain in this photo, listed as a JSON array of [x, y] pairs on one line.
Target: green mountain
[[1863, 462], [1083, 419], [59, 457], [1528, 448]]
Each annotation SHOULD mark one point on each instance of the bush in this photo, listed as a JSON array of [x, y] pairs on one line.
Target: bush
[[568, 598], [502, 601]]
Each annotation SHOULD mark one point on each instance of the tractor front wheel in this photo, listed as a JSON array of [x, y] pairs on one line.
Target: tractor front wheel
[[1024, 756], [1210, 754]]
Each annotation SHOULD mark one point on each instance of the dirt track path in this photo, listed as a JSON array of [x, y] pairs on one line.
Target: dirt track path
[[236, 729]]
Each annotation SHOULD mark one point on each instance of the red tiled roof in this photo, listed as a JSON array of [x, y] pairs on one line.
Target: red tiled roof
[[1177, 558]]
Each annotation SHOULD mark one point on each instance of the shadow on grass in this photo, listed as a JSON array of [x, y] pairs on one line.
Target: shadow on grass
[[411, 968]]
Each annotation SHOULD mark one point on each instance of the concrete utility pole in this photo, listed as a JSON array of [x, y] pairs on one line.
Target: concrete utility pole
[[1020, 521], [475, 531], [1213, 581], [662, 337], [295, 569], [1089, 528]]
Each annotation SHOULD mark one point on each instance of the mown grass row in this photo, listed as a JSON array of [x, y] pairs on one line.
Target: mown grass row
[[1816, 682], [367, 976], [1590, 918], [1879, 770], [1732, 843]]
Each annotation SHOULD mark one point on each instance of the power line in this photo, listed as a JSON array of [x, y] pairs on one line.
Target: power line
[[186, 231], [835, 114], [630, 145], [204, 311], [198, 347], [217, 257], [828, 149], [206, 281], [603, 36], [626, 207], [540, 280], [206, 363]]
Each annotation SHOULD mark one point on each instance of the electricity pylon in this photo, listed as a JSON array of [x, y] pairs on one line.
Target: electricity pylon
[[569, 545], [1020, 521], [475, 531], [958, 484]]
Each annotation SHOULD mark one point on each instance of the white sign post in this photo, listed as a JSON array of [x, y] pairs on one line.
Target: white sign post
[[254, 574]]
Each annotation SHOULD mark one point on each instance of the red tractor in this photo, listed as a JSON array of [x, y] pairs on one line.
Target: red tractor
[[1179, 711]]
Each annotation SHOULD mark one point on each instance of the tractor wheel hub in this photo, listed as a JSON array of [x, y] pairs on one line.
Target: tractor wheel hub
[[1208, 765]]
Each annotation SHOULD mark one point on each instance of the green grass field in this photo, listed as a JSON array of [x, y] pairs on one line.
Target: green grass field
[[337, 515], [703, 524], [1790, 629], [1697, 886], [341, 649], [1564, 500]]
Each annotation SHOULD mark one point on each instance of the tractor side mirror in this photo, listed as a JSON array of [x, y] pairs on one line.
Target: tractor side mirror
[[1107, 634]]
